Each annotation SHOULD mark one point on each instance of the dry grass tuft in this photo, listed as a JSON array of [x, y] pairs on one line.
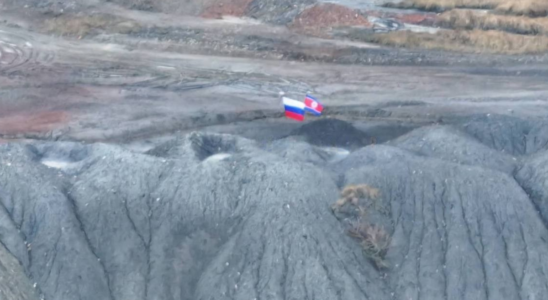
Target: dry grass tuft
[[534, 8], [442, 5], [375, 241], [531, 8], [469, 19], [352, 193], [474, 41], [80, 26]]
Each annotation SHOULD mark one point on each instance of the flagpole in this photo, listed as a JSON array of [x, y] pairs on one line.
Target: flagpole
[[281, 98]]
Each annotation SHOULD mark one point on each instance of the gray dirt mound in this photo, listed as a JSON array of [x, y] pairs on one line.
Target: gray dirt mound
[[509, 134], [70, 152], [332, 132], [537, 138], [297, 150], [42, 230], [201, 146], [14, 285], [533, 177], [137, 226], [383, 131], [364, 156], [458, 232], [213, 216], [452, 145]]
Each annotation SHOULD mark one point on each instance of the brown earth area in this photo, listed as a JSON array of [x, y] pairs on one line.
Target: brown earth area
[[235, 8], [32, 123], [322, 16], [416, 18], [422, 18]]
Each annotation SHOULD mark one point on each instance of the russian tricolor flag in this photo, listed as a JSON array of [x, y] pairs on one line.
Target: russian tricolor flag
[[294, 109], [313, 105]]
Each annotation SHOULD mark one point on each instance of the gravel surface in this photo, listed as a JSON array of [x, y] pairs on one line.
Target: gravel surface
[[158, 165], [211, 216]]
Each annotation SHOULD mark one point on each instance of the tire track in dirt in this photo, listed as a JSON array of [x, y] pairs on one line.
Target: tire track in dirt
[[17, 51]]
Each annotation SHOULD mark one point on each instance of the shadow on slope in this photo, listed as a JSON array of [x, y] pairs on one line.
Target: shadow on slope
[[457, 231], [134, 226], [14, 285], [533, 177], [212, 216]]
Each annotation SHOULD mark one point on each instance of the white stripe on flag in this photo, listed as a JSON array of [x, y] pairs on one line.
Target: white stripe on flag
[[294, 103]]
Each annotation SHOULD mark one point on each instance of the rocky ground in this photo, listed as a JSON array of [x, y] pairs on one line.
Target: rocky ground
[[143, 155]]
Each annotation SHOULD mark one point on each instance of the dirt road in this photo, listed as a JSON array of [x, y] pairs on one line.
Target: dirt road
[[114, 87]]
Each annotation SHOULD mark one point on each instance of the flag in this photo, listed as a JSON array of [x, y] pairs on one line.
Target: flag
[[313, 105], [294, 109]]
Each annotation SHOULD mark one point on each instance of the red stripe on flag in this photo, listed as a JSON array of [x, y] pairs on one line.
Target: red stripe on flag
[[293, 115], [310, 104]]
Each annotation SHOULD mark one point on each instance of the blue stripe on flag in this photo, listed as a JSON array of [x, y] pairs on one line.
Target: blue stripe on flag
[[294, 109], [317, 113]]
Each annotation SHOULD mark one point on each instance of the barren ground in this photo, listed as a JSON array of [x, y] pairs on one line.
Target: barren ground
[[186, 72], [190, 184]]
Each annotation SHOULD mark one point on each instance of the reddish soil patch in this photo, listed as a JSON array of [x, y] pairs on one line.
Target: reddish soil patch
[[235, 8], [412, 19], [39, 122], [324, 16], [416, 18]]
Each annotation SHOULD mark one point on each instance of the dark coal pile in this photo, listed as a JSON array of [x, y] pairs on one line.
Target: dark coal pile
[[215, 216], [333, 132]]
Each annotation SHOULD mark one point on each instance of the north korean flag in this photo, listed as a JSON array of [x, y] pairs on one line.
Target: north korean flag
[[313, 105]]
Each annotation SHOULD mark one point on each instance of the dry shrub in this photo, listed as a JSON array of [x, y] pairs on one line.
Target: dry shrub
[[442, 5], [468, 19], [518, 7], [375, 241], [80, 26], [531, 8], [352, 193], [465, 41]]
